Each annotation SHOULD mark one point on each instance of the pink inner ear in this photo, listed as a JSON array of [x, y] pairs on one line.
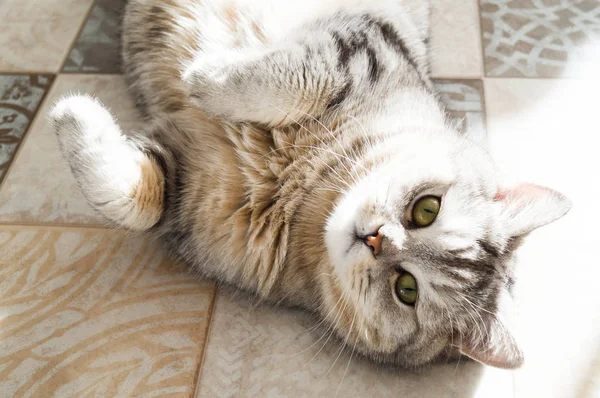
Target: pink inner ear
[[502, 359], [519, 191], [526, 207], [496, 347]]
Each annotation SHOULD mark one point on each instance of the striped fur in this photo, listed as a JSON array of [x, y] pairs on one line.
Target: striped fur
[[278, 134]]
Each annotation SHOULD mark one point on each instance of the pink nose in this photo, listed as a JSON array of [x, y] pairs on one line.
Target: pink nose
[[374, 241]]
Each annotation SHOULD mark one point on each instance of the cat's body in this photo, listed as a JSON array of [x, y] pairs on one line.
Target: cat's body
[[281, 140], [156, 47]]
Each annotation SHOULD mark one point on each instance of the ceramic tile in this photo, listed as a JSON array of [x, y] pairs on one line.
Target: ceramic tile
[[545, 131], [535, 38], [464, 102], [40, 187], [20, 96], [455, 47], [97, 47], [96, 313], [36, 35], [255, 351]]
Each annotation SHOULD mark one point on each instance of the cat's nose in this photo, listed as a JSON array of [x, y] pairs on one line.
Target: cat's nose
[[374, 241]]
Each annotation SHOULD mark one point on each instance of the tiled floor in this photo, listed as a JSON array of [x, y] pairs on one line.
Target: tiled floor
[[87, 311]]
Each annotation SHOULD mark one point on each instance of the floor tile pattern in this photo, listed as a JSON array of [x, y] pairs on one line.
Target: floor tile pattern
[[120, 321], [535, 38], [97, 47], [20, 96], [62, 201], [464, 102]]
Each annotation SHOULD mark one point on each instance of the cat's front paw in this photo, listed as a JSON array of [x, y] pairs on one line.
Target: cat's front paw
[[207, 82], [219, 83]]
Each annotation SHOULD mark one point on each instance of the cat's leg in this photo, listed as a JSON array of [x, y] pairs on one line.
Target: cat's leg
[[120, 176], [271, 87]]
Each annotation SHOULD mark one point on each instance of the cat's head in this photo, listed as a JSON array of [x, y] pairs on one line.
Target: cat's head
[[421, 251]]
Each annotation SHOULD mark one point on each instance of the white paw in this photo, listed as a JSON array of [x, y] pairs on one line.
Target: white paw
[[106, 165], [82, 119], [93, 143]]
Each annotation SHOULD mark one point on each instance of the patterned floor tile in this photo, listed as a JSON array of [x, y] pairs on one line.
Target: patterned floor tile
[[97, 47], [464, 102], [40, 187], [254, 351], [36, 35], [535, 38], [455, 47], [20, 96], [96, 313]]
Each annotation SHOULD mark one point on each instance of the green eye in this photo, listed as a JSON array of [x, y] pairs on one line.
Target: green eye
[[425, 211], [406, 289]]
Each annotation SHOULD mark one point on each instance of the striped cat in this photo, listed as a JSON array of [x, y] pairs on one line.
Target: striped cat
[[298, 150]]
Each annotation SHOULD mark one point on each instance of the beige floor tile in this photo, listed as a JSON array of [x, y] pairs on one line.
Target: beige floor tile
[[265, 352], [96, 313], [455, 46], [39, 186], [545, 131], [36, 35]]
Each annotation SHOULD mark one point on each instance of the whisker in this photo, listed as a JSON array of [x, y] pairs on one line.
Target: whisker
[[318, 138], [331, 133], [314, 327], [344, 344], [481, 334], [333, 323], [347, 366], [331, 329]]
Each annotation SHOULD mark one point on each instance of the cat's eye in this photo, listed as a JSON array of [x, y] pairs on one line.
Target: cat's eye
[[425, 211], [406, 288]]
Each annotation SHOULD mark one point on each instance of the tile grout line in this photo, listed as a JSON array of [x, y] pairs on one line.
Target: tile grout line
[[449, 77], [99, 73], [74, 40], [196, 382], [484, 111], [24, 72], [483, 70], [5, 225], [21, 143]]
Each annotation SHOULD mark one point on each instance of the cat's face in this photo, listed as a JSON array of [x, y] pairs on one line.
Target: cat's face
[[410, 282]]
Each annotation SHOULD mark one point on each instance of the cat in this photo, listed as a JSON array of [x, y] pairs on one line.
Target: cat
[[299, 151]]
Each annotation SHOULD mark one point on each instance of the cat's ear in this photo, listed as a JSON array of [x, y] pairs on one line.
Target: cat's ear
[[526, 207], [494, 345]]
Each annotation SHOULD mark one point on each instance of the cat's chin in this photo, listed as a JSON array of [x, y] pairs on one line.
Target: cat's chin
[[440, 353]]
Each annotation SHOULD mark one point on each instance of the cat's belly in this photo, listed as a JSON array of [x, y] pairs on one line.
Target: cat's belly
[[161, 38]]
